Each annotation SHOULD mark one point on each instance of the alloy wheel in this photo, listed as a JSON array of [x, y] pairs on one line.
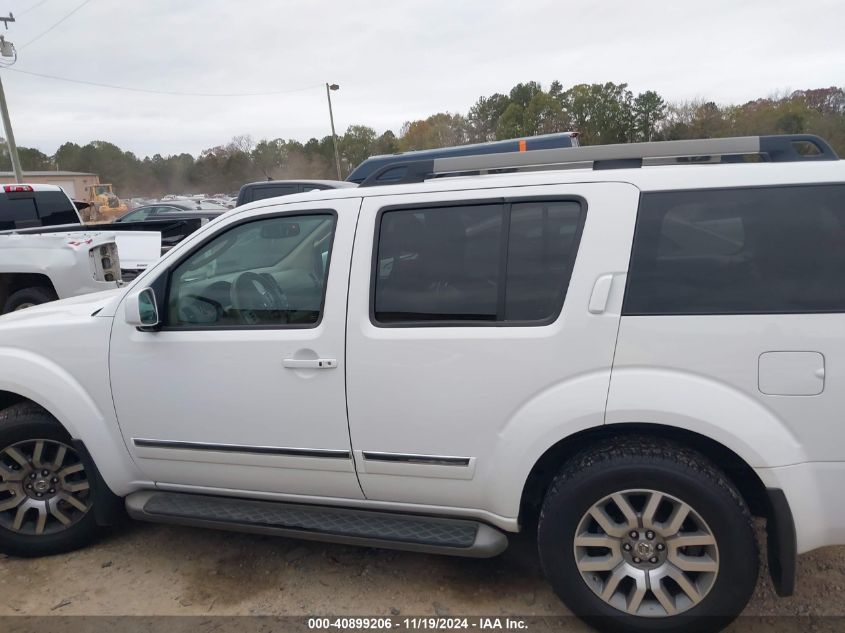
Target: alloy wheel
[[43, 487], [646, 553]]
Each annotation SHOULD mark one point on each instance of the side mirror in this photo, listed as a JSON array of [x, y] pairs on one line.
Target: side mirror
[[141, 309]]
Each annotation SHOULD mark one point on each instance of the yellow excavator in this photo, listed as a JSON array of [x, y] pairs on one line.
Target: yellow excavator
[[105, 205]]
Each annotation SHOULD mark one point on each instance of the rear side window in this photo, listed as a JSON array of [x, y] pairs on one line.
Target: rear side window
[[475, 264], [17, 212], [54, 207], [739, 251]]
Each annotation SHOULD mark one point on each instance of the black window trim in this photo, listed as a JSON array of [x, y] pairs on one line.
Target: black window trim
[[161, 285], [637, 226], [507, 203]]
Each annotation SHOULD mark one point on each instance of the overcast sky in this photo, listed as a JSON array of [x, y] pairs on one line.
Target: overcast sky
[[395, 60]]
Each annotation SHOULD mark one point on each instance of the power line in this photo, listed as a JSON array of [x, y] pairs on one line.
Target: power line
[[32, 8], [174, 93], [43, 33]]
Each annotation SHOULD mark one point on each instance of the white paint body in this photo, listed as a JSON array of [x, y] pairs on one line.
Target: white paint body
[[496, 397]]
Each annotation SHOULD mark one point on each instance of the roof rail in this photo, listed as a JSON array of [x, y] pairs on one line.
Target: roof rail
[[779, 149]]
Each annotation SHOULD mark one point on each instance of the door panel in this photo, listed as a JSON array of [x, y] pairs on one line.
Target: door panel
[[214, 404], [433, 406]]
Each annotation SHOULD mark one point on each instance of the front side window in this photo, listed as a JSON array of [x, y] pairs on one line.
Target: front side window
[[484, 263], [269, 272], [739, 251]]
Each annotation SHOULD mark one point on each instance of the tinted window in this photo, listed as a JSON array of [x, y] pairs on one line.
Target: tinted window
[[739, 251], [541, 251], [262, 193], [458, 264], [54, 207], [266, 272], [17, 213]]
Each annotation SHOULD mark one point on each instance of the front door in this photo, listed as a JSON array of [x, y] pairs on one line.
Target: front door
[[242, 387], [481, 332]]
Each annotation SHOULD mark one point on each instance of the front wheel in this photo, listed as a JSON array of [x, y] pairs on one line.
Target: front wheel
[[644, 535], [46, 497]]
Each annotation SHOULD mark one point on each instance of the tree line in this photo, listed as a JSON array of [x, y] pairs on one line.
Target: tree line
[[602, 113]]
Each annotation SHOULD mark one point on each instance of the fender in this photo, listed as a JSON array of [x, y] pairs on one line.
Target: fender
[[557, 412], [51, 386], [706, 406]]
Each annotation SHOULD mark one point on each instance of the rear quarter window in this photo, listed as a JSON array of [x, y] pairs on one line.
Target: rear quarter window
[[756, 250]]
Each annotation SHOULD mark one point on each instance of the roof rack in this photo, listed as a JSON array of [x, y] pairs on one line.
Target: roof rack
[[779, 149]]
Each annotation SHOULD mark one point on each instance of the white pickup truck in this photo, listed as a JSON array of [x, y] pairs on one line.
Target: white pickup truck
[[40, 267]]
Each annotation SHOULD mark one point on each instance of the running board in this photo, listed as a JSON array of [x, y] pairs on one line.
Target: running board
[[368, 528]]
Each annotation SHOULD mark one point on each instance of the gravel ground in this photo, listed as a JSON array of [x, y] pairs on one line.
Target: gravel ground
[[145, 569]]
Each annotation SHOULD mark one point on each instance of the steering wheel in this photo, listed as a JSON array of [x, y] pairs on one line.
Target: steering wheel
[[258, 299]]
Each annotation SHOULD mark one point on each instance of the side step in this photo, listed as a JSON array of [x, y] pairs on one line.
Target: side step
[[368, 528]]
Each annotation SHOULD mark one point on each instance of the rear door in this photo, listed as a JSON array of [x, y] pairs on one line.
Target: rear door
[[467, 311]]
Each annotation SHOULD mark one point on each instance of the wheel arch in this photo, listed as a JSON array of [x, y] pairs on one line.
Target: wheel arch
[[768, 503], [740, 473], [28, 377], [12, 282]]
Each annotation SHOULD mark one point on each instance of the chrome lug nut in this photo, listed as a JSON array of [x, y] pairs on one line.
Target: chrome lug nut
[[637, 559], [652, 560], [38, 494], [29, 486], [32, 475], [45, 472], [54, 480], [660, 547], [52, 490], [634, 534], [649, 535], [627, 547]]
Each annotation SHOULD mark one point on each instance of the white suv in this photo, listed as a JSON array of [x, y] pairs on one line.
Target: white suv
[[629, 360]]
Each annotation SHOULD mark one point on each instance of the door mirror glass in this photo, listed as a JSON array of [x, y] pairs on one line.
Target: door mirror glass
[[141, 308]]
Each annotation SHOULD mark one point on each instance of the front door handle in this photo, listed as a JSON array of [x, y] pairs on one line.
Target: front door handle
[[310, 363]]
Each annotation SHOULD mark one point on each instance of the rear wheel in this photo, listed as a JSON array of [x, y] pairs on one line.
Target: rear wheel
[[28, 297], [642, 535], [46, 498]]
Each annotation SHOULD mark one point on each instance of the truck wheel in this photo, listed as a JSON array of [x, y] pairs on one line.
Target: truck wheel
[[28, 297], [645, 535], [45, 496]]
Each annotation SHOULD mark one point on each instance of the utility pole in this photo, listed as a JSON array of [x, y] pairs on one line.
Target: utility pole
[[7, 49], [329, 88]]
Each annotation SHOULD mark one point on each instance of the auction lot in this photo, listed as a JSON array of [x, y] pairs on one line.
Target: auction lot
[[146, 569]]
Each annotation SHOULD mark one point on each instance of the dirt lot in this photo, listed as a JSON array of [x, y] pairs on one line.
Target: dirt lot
[[145, 569]]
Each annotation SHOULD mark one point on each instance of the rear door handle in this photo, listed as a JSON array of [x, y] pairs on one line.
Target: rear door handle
[[310, 363], [601, 293]]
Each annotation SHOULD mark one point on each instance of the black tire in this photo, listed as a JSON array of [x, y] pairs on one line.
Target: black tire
[[34, 295], [21, 423], [641, 463]]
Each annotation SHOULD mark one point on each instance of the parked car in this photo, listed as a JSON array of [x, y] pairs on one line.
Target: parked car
[[273, 188], [629, 361], [151, 211]]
